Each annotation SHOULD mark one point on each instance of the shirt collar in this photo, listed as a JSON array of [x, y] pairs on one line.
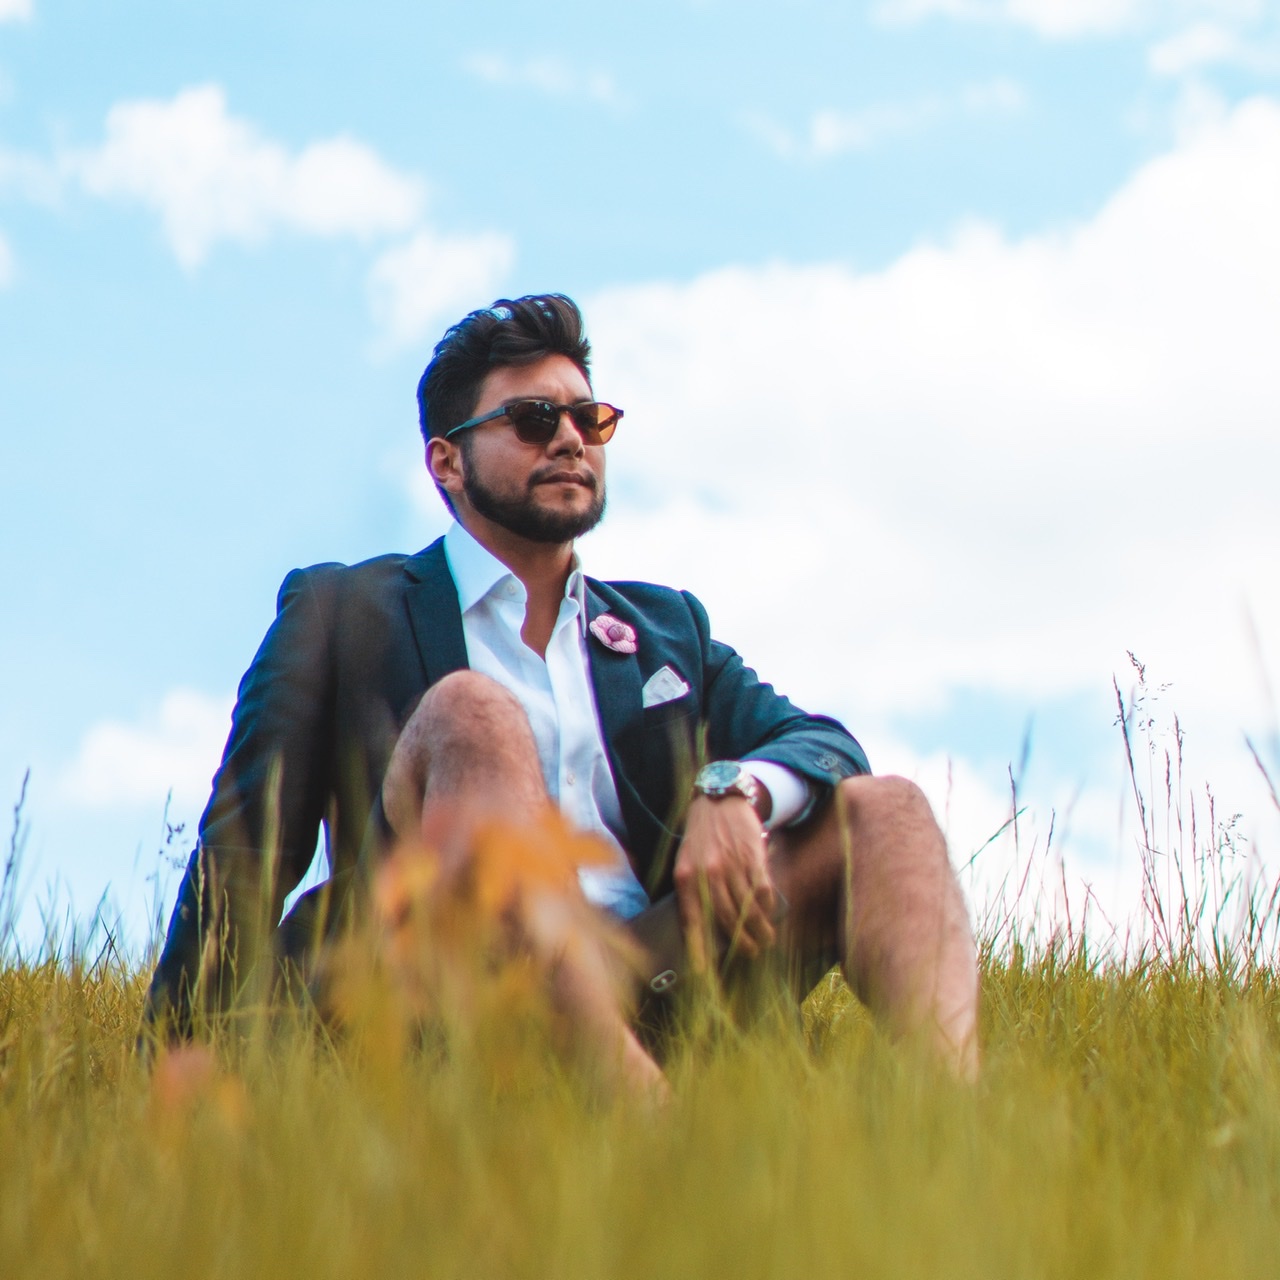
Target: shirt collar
[[477, 571]]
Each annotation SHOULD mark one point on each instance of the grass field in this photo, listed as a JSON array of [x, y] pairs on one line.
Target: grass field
[[1127, 1123]]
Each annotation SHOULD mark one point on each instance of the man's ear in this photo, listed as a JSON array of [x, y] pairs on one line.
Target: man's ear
[[444, 462]]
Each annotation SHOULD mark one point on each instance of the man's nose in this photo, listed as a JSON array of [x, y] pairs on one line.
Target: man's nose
[[567, 439]]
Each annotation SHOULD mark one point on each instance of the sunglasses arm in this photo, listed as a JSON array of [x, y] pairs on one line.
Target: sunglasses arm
[[475, 422]]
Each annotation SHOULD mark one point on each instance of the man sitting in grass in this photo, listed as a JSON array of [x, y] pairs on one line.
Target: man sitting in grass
[[418, 698]]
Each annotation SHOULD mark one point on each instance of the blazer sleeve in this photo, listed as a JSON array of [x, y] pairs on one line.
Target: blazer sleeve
[[747, 717], [258, 833]]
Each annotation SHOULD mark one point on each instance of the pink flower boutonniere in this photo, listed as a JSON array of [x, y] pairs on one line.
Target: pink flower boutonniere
[[613, 634]]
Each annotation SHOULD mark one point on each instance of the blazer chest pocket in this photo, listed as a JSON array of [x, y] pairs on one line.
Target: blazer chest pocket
[[658, 752], [668, 732], [665, 714]]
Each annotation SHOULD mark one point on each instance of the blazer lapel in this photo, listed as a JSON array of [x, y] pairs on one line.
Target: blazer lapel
[[434, 613], [643, 793], [615, 677]]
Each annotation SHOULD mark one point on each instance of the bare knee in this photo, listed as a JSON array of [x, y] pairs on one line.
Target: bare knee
[[892, 816], [462, 711], [466, 733], [464, 699], [882, 794]]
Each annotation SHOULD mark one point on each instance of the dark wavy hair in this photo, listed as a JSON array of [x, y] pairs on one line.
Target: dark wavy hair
[[510, 332]]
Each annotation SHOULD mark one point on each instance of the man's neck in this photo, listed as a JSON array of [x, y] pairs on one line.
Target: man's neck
[[543, 568]]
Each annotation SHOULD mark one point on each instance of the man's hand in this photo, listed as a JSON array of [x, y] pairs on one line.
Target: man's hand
[[722, 871]]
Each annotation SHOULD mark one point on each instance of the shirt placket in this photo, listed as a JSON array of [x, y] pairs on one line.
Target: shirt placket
[[574, 793], [532, 674]]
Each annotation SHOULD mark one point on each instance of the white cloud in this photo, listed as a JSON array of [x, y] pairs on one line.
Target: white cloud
[[551, 76], [1207, 44], [1058, 19], [832, 131], [414, 284], [1048, 17], [1030, 868], [176, 748], [212, 176], [15, 10], [6, 263], [995, 464]]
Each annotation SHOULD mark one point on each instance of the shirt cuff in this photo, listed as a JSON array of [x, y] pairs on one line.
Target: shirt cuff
[[791, 794]]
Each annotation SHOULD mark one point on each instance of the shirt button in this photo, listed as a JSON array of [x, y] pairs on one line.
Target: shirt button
[[569, 778]]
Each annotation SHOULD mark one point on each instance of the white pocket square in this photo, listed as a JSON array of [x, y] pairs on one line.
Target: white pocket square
[[663, 686]]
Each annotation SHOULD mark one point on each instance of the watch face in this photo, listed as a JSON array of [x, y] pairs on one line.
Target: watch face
[[719, 774]]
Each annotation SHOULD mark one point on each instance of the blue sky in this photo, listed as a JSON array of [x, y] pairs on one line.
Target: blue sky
[[946, 332]]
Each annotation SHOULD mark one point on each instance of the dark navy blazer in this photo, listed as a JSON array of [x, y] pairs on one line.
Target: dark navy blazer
[[340, 671]]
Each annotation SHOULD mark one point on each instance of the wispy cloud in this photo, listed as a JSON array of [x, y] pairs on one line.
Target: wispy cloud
[[551, 76], [833, 131], [175, 749], [15, 10], [432, 275], [1207, 44], [212, 176], [1060, 19]]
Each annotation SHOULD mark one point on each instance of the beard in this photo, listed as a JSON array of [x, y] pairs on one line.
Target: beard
[[523, 517]]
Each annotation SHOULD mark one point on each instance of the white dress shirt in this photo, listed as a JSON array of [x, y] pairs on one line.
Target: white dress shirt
[[558, 699]]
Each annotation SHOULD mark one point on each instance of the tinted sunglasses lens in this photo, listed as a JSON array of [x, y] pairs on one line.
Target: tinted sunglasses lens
[[535, 421], [596, 422]]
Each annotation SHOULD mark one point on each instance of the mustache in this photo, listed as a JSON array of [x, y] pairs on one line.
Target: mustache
[[544, 474]]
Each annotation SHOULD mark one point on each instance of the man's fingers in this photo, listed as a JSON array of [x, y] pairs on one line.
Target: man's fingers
[[759, 919], [766, 894], [694, 919], [723, 884], [751, 927], [711, 906], [724, 906]]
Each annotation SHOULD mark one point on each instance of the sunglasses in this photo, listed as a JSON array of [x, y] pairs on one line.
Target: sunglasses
[[537, 421]]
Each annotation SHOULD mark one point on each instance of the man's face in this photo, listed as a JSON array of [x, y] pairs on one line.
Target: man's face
[[549, 493]]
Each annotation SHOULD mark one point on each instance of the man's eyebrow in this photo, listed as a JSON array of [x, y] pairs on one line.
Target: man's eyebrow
[[548, 400]]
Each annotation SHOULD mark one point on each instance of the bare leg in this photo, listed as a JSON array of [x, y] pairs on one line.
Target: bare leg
[[871, 880], [467, 757]]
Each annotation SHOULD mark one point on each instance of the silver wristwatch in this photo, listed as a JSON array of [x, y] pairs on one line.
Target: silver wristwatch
[[723, 778]]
